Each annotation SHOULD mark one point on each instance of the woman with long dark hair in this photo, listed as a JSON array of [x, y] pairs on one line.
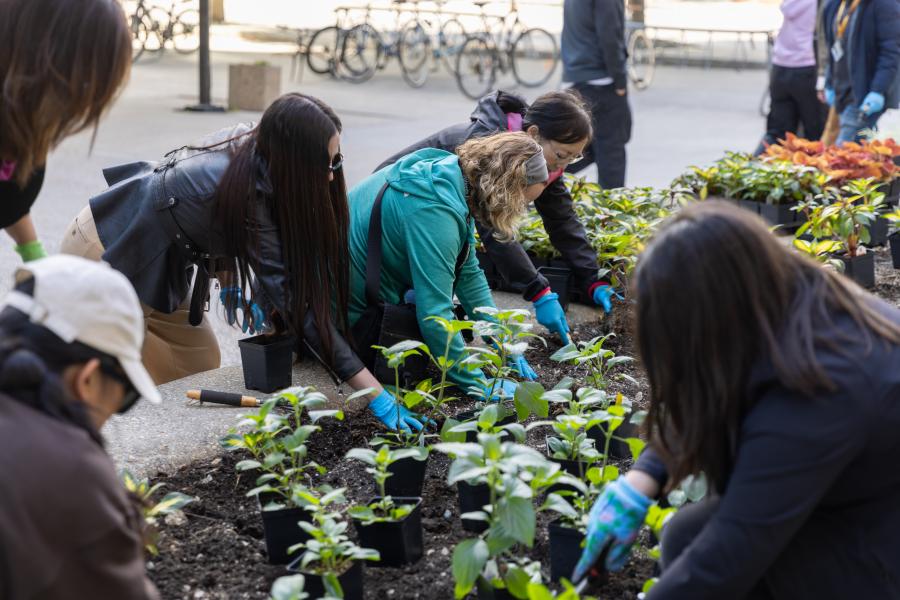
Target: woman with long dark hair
[[70, 347], [780, 381], [262, 208], [561, 123], [62, 63]]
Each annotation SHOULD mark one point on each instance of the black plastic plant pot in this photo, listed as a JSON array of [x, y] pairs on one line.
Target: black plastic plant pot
[[617, 448], [575, 468], [488, 592], [895, 249], [407, 477], [399, 543], [267, 362], [558, 278], [473, 498], [281, 530], [351, 581], [565, 550], [469, 415], [878, 232], [861, 269], [748, 205], [780, 214]]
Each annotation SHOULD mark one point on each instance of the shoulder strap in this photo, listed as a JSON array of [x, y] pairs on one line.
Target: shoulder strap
[[373, 259]]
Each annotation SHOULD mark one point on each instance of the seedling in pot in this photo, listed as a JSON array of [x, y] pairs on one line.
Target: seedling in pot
[[597, 361], [514, 475], [143, 492], [383, 509]]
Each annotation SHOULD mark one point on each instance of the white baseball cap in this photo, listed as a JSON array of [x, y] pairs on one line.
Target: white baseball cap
[[89, 302]]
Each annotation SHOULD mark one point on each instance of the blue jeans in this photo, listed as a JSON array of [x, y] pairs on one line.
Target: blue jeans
[[853, 122]]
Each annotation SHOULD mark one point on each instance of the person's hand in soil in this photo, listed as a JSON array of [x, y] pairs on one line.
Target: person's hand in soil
[[549, 313], [393, 414], [614, 521], [522, 367], [503, 389], [603, 295]]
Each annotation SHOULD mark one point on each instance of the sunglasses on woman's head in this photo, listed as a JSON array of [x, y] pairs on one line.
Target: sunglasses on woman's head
[[336, 163], [131, 394]]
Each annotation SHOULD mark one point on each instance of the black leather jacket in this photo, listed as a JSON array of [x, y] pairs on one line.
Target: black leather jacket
[[156, 223]]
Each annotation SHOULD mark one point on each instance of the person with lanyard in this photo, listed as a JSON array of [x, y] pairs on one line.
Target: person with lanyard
[[70, 357], [429, 202], [62, 62], [561, 124], [263, 209], [792, 79], [862, 78], [786, 395]]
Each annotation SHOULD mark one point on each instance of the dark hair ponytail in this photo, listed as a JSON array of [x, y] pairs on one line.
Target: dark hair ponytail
[[561, 116]]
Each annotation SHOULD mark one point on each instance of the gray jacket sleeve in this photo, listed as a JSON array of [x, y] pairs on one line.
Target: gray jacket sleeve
[[609, 23]]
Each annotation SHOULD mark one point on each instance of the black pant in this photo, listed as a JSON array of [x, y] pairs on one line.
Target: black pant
[[794, 103], [686, 525], [611, 118]]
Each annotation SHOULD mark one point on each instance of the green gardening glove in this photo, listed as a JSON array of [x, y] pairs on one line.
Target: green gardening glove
[[32, 250]]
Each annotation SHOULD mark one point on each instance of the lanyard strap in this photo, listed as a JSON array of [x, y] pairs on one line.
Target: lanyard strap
[[843, 19]]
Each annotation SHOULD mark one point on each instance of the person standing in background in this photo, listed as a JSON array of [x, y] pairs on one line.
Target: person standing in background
[[594, 64], [792, 80], [861, 81]]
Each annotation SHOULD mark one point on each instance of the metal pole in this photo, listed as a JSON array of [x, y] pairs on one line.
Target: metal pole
[[205, 104]]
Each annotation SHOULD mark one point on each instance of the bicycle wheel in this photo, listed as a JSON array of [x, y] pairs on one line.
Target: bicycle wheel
[[413, 50], [321, 54], [476, 67], [186, 31], [641, 59], [141, 29], [361, 52], [534, 56], [451, 39]]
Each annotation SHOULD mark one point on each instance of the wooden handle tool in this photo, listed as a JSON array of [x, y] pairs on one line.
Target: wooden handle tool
[[224, 398]]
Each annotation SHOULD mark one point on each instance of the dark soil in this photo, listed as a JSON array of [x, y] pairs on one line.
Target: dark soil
[[219, 552]]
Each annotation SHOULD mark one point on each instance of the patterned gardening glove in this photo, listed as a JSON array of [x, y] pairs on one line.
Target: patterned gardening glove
[[614, 520], [549, 313], [232, 298], [393, 414]]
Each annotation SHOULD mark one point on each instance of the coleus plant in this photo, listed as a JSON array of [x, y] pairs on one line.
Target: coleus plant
[[845, 216], [867, 159]]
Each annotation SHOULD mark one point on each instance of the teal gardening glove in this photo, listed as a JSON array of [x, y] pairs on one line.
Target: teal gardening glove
[[614, 520], [603, 295], [522, 367], [232, 298], [549, 313], [393, 414], [503, 389]]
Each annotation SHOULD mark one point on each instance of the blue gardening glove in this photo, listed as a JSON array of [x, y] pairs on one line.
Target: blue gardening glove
[[549, 313], [232, 298], [410, 296], [614, 521], [603, 295], [522, 367], [504, 389], [393, 414], [872, 103], [829, 96]]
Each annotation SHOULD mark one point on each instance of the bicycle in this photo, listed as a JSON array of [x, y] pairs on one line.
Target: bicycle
[[323, 52], [641, 61], [364, 50], [149, 34], [531, 54], [416, 45]]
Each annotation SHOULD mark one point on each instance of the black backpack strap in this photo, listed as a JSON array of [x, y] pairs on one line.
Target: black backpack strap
[[373, 259]]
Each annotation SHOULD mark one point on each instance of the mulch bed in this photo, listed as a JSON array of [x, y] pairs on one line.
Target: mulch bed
[[219, 551]]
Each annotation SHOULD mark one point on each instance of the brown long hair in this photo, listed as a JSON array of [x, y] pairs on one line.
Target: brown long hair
[[62, 62], [716, 293], [495, 166], [289, 149]]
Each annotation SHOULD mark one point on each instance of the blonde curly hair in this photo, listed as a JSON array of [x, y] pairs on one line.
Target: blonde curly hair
[[495, 168]]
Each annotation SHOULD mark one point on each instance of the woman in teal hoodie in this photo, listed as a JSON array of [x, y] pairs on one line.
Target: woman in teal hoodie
[[427, 217]]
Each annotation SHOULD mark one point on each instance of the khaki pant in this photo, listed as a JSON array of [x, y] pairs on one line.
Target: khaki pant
[[172, 347]]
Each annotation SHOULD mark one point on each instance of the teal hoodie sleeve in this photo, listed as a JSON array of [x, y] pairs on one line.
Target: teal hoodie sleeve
[[472, 287], [433, 248]]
